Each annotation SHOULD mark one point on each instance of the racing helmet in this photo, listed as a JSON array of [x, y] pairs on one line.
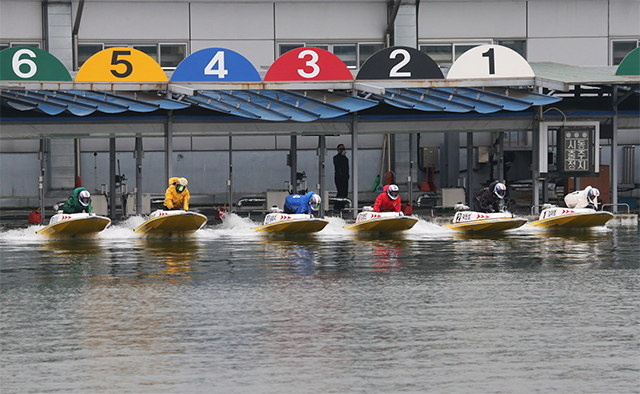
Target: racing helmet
[[82, 195], [592, 195], [314, 202], [500, 190], [392, 189], [181, 184]]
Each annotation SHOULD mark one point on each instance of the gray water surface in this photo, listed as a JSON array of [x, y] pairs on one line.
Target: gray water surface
[[232, 311]]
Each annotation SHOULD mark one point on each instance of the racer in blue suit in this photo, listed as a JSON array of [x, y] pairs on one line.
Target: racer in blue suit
[[297, 203]]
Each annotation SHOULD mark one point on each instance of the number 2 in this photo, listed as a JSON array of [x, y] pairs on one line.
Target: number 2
[[406, 57]]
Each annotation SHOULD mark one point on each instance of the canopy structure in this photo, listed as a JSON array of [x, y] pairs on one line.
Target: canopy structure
[[273, 105], [308, 91], [483, 101]]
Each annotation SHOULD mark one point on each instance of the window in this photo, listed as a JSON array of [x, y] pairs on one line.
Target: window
[[366, 50], [620, 49], [171, 55], [167, 55], [353, 55], [445, 54], [5, 45], [520, 46]]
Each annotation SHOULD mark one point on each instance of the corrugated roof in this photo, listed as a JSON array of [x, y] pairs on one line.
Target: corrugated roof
[[462, 100], [562, 76], [275, 105], [267, 105]]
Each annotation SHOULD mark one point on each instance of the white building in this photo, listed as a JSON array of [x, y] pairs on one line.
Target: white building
[[587, 33]]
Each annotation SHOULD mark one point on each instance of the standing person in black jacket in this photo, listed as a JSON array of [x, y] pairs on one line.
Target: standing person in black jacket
[[341, 175]]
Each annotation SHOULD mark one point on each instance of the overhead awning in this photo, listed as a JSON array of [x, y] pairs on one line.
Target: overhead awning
[[461, 100], [274, 105], [269, 105], [83, 103]]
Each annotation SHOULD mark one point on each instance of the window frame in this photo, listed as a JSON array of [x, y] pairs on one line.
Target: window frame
[[135, 45], [329, 46], [459, 43], [620, 40]]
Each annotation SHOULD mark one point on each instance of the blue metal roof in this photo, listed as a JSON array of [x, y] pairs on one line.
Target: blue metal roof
[[274, 105], [279, 105], [484, 101], [83, 103]]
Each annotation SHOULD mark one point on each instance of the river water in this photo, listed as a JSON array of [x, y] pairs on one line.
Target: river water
[[229, 310]]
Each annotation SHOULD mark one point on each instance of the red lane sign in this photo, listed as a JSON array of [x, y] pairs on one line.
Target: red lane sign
[[308, 64]]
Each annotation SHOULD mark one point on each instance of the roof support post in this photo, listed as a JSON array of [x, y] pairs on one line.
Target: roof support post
[[501, 157], [469, 167], [293, 163], [614, 152], [112, 178], [77, 148], [168, 147], [354, 164], [41, 179], [536, 143], [322, 153], [230, 180], [138, 153]]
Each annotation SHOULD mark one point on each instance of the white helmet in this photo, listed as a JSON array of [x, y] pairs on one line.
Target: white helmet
[[181, 185], [392, 189], [314, 202], [500, 190], [82, 195], [592, 196]]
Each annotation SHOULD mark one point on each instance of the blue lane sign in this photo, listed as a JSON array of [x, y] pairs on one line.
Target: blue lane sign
[[215, 65]]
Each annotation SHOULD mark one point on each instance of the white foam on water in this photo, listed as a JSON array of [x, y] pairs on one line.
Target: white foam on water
[[232, 226], [23, 235], [123, 229]]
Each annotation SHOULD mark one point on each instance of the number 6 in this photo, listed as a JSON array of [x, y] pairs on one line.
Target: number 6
[[16, 62]]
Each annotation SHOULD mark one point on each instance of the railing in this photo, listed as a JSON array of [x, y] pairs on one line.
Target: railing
[[543, 207], [615, 205]]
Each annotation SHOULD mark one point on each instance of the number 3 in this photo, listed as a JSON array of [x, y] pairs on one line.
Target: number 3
[[310, 63]]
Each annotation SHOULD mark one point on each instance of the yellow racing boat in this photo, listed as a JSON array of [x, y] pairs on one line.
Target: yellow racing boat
[[382, 222], [554, 217], [75, 224], [470, 221], [172, 222], [291, 223]]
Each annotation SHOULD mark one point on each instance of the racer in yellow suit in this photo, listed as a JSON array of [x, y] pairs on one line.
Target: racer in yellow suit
[[177, 195]]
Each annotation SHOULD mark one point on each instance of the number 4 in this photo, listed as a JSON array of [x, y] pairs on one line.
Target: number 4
[[219, 60]]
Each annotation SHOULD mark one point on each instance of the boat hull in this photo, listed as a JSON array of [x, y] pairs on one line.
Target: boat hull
[[571, 218], [477, 222], [75, 224], [172, 222], [382, 222], [280, 223]]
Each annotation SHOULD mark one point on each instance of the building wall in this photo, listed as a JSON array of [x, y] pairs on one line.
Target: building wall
[[569, 31]]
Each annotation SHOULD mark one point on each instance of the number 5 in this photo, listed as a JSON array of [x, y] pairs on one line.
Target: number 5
[[115, 61]]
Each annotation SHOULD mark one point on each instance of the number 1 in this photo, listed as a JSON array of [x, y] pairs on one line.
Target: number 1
[[492, 65]]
